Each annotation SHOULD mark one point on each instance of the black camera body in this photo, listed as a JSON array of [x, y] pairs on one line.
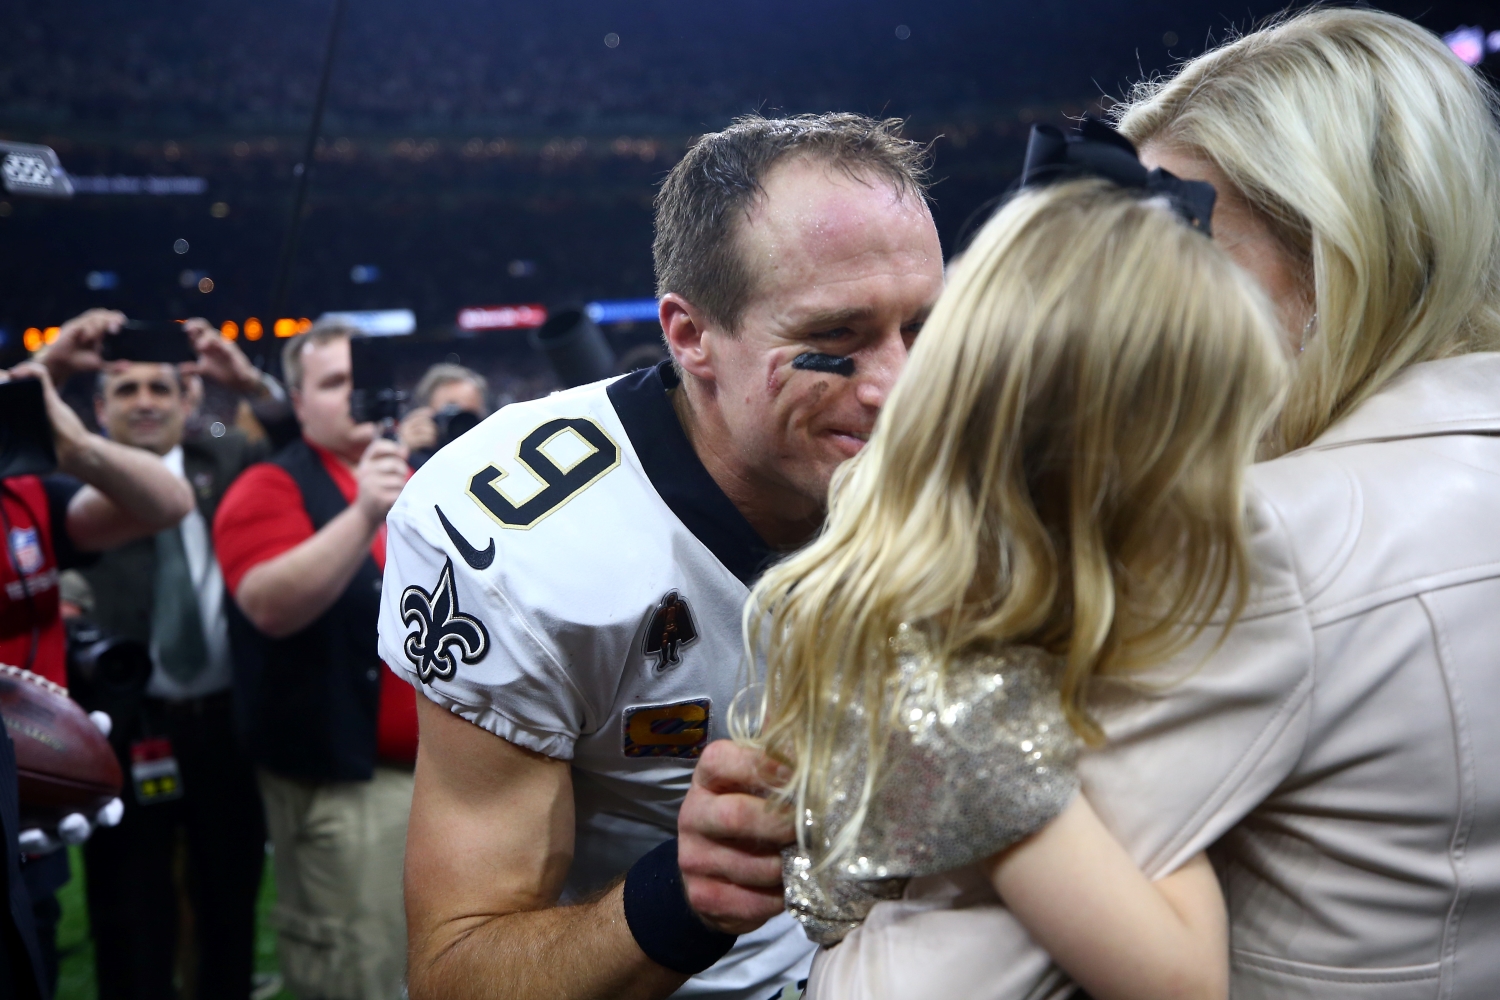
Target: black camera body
[[25, 430], [453, 422], [108, 674], [373, 397]]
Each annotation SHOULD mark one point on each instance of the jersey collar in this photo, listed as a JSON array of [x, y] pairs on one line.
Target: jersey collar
[[641, 401]]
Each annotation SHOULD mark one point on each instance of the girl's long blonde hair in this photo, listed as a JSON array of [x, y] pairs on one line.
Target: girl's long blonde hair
[[1372, 153], [1060, 465]]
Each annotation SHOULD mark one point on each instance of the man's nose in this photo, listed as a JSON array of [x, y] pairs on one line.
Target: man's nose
[[879, 369]]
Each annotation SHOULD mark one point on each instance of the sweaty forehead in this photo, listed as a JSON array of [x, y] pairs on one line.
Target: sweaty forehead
[[816, 223]]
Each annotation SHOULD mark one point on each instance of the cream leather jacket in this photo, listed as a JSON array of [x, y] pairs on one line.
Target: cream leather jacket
[[1339, 754]]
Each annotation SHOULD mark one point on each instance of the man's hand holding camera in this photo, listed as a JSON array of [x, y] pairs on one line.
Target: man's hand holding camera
[[381, 473], [79, 344], [417, 430], [221, 360]]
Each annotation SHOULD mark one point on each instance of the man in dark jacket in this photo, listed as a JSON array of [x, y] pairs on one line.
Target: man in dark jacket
[[167, 591]]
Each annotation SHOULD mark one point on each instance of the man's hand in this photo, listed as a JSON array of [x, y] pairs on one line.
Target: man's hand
[[729, 838], [222, 360], [417, 430], [78, 343], [381, 473]]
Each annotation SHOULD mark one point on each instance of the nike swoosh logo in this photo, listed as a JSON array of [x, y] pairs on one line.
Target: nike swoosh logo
[[474, 557]]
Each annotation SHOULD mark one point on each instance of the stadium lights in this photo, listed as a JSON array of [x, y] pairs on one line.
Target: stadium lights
[[1470, 43], [140, 185], [519, 317], [254, 330], [376, 322], [33, 170], [35, 337], [531, 316], [623, 311]]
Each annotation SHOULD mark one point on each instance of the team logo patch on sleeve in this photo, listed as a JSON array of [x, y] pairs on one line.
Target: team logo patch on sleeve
[[26, 548], [679, 730], [671, 627], [440, 629]]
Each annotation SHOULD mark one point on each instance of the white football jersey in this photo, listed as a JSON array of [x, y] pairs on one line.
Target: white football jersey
[[567, 575]]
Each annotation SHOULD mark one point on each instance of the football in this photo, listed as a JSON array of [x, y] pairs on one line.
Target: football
[[63, 763]]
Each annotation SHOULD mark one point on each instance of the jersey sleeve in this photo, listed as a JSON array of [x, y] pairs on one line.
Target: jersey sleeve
[[459, 638]]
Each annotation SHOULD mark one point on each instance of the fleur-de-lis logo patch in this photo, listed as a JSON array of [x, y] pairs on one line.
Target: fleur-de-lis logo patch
[[440, 630]]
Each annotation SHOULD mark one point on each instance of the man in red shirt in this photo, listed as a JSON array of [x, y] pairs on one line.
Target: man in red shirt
[[47, 524], [301, 543]]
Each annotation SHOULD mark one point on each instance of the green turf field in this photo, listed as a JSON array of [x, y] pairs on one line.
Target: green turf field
[[76, 978]]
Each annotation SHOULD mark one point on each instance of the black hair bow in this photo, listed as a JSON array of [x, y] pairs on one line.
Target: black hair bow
[[1099, 151]]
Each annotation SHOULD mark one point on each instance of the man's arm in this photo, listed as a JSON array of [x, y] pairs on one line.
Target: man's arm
[[285, 594], [488, 846], [128, 492]]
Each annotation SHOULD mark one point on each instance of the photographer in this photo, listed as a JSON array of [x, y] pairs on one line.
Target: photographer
[[168, 593], [49, 523], [301, 540], [450, 399]]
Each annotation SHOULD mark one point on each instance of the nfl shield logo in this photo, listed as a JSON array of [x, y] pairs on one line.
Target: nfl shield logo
[[26, 549]]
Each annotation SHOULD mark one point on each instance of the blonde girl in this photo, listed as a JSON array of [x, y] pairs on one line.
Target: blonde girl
[[1053, 494], [1339, 746]]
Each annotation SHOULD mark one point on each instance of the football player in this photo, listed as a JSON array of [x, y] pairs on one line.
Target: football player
[[564, 583]]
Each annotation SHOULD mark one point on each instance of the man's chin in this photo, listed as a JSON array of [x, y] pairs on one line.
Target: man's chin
[[155, 441]]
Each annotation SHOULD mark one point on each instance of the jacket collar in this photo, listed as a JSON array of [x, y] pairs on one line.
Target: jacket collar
[[1459, 395]]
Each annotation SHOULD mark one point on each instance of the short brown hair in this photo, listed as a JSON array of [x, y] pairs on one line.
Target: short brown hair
[[716, 183], [316, 335]]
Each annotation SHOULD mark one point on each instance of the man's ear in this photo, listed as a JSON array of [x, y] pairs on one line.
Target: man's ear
[[99, 412], [684, 327]]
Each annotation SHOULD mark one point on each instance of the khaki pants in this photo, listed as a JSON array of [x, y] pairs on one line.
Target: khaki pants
[[340, 919]]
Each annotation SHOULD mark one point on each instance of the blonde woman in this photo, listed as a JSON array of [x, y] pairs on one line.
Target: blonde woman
[[1339, 747], [1053, 493]]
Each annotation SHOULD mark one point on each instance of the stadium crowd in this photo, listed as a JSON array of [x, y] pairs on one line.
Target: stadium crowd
[[1101, 609], [218, 64]]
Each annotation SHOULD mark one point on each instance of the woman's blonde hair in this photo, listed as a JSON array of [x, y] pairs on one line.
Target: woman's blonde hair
[[1371, 152], [1060, 465]]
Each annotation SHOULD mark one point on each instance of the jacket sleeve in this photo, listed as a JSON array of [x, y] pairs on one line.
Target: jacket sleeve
[[1197, 744]]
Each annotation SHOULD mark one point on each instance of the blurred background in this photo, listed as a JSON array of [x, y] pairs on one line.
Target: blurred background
[[479, 164], [482, 154]]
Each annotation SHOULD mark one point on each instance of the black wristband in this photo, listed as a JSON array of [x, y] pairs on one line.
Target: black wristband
[[662, 922]]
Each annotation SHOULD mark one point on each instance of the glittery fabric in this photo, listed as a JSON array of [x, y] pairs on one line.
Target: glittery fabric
[[979, 758]]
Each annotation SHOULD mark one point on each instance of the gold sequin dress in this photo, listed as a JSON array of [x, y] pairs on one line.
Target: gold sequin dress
[[982, 757]]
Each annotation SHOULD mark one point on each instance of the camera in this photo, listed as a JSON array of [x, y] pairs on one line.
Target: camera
[[452, 423], [107, 673], [373, 397]]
